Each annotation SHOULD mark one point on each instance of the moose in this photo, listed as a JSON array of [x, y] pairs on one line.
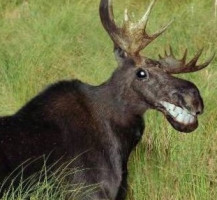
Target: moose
[[104, 123]]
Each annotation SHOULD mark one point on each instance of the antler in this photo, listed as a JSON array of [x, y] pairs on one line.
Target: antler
[[174, 66], [131, 37]]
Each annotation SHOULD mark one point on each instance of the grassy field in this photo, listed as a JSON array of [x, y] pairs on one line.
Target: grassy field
[[42, 42]]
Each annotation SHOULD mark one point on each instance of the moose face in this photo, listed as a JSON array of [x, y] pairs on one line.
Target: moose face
[[179, 100], [150, 82], [149, 86]]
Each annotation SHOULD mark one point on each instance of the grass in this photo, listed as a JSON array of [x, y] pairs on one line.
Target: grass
[[49, 183], [45, 41]]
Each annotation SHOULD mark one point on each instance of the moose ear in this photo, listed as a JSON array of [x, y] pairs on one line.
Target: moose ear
[[120, 55]]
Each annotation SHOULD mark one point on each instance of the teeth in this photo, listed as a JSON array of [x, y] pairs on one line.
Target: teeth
[[171, 106], [180, 118], [179, 114], [178, 110], [187, 119], [191, 119], [185, 112], [173, 113], [165, 104]]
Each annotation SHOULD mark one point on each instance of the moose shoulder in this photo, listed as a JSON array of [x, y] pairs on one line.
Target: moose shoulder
[[103, 123]]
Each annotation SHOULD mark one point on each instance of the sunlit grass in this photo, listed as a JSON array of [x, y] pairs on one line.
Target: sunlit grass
[[42, 42]]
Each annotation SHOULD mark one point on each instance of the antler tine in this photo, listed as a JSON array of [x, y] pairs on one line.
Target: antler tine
[[107, 19], [171, 51], [162, 30], [185, 56], [126, 15], [147, 39], [110, 9], [208, 61], [106, 14], [201, 66], [174, 66], [143, 22], [195, 59]]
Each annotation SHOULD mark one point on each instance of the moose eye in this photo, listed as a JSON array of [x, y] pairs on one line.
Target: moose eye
[[142, 74]]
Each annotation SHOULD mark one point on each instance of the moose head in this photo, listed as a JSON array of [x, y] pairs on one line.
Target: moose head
[[148, 83]]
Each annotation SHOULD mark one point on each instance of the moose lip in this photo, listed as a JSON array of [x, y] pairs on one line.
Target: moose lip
[[178, 114]]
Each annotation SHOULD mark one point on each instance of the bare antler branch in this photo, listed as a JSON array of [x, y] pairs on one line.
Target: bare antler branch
[[131, 37], [107, 18], [175, 66]]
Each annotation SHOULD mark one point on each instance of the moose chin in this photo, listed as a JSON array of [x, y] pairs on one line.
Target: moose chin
[[104, 123]]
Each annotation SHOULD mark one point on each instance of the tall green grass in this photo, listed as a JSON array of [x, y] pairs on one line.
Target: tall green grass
[[50, 183], [42, 42]]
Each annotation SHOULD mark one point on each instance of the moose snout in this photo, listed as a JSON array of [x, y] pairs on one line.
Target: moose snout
[[193, 101], [190, 99]]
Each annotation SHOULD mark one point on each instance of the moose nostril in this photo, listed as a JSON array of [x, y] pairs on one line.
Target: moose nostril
[[198, 112], [199, 109]]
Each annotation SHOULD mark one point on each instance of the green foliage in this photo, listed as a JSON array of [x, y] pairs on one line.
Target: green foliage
[[49, 183], [45, 41]]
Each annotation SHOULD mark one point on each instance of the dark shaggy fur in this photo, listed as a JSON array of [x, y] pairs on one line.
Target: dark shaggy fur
[[70, 119]]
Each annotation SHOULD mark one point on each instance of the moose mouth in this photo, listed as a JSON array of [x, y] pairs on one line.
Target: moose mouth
[[180, 118]]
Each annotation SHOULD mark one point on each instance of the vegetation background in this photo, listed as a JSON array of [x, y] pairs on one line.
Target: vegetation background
[[42, 42]]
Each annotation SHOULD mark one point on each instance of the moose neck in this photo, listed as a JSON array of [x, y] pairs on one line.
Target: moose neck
[[114, 101], [119, 115]]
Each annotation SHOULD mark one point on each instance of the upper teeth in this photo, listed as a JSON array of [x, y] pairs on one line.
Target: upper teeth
[[179, 114]]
